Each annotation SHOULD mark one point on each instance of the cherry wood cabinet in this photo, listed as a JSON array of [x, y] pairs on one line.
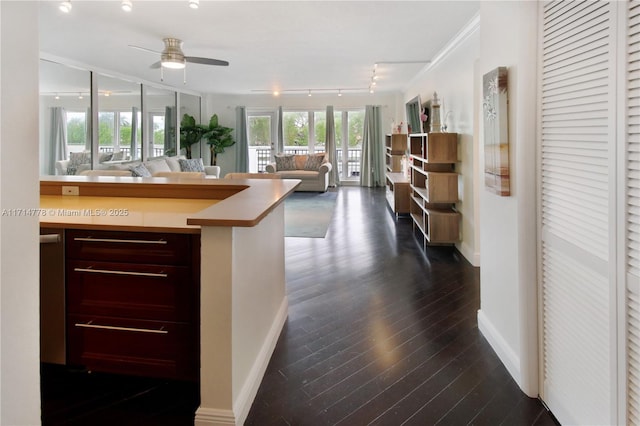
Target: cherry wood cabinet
[[132, 302]]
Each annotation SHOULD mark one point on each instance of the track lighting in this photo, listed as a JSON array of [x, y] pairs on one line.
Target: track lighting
[[309, 93], [127, 5], [65, 6], [339, 92], [194, 4]]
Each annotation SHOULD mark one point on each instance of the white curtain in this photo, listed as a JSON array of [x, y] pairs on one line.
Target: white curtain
[[58, 139], [372, 163], [330, 143], [242, 140]]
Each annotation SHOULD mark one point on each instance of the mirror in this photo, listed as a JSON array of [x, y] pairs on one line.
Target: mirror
[[119, 132], [65, 117], [190, 104], [414, 108], [161, 122]]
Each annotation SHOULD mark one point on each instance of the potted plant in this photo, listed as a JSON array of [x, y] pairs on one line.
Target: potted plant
[[190, 133], [218, 138]]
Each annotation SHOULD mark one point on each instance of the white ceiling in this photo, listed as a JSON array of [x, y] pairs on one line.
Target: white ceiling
[[283, 45]]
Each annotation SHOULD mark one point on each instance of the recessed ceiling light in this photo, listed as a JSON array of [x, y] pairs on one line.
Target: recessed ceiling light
[[65, 6], [194, 4], [127, 6]]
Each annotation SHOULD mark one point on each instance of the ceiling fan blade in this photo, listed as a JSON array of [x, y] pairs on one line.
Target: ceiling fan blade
[[206, 61], [155, 65], [144, 48]]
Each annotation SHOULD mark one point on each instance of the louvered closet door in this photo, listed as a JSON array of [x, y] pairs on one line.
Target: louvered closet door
[[633, 215], [577, 194]]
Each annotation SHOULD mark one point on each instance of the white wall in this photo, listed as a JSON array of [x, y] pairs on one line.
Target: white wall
[[508, 304], [19, 247], [452, 77], [225, 107]]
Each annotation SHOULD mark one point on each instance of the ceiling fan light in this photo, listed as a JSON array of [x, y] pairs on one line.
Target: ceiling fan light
[[194, 4], [173, 63], [127, 6], [65, 6], [172, 56]]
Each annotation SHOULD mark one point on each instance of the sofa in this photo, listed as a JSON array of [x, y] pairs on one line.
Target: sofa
[[153, 167], [312, 170]]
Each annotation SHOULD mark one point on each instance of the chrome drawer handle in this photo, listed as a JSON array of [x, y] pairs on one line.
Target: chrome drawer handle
[[111, 327], [113, 240], [107, 271]]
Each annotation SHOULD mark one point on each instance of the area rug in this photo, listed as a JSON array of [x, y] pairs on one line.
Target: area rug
[[308, 214]]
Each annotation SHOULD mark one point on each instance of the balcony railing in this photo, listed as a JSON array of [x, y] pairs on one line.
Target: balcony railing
[[259, 157]]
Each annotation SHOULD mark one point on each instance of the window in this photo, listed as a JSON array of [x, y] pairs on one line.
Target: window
[[349, 127], [306, 132], [114, 132], [157, 139], [262, 135], [76, 131], [296, 132]]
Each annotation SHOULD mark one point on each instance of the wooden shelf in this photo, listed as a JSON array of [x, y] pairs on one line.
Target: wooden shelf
[[397, 193], [434, 187], [397, 184], [395, 150]]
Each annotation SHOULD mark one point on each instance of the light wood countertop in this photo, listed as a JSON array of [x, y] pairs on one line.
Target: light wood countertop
[[158, 204]]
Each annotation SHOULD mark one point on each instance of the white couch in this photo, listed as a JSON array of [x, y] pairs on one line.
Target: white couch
[[312, 170], [159, 166]]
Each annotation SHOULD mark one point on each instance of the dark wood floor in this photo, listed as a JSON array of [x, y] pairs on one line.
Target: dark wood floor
[[378, 332]]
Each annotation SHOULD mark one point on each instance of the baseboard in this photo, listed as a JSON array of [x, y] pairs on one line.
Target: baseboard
[[249, 390], [214, 417], [473, 257], [508, 357]]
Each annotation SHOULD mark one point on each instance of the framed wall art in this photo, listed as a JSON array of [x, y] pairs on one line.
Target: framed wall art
[[495, 105]]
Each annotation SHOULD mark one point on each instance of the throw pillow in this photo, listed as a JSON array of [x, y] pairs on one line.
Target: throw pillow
[[314, 161], [105, 156], [174, 162], [156, 166], [139, 170], [117, 156], [77, 158], [285, 162], [300, 160], [191, 165]]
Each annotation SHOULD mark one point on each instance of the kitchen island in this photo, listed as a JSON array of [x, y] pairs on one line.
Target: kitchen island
[[191, 241]]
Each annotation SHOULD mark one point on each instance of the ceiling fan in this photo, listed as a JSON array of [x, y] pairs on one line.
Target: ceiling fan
[[173, 57]]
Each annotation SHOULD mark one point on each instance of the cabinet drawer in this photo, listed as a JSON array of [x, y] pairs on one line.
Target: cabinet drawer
[[138, 247], [125, 346], [130, 290]]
